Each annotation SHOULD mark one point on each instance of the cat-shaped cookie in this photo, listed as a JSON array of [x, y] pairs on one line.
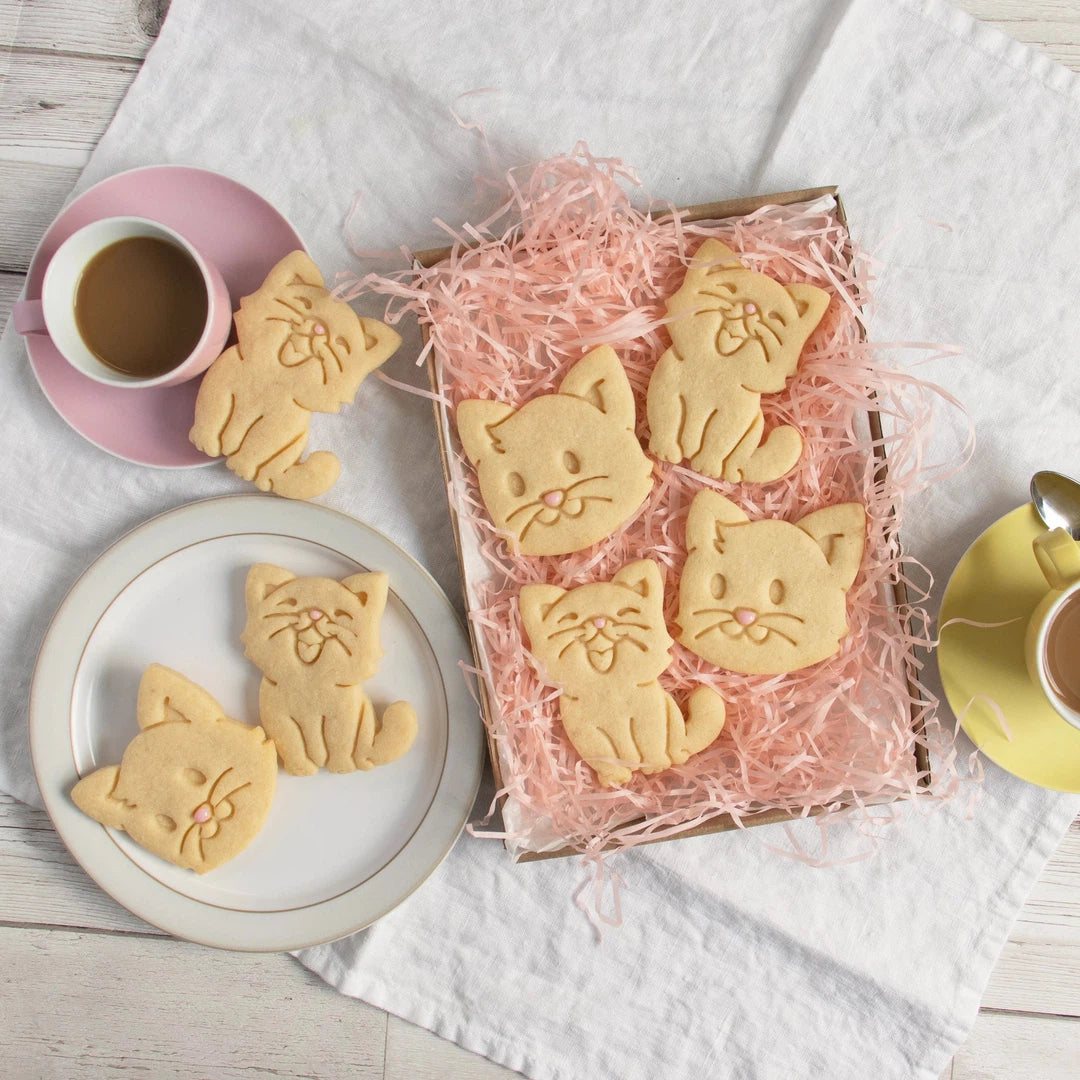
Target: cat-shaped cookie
[[565, 470], [315, 640], [767, 597], [605, 644], [299, 351], [193, 786], [735, 335]]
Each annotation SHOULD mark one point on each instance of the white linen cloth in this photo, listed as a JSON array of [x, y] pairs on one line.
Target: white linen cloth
[[733, 962]]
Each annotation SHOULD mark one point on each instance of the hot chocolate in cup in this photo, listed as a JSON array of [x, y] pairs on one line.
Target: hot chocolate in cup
[[1052, 644], [130, 302]]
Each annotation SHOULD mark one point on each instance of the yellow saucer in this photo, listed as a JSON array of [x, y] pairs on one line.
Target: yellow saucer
[[997, 580]]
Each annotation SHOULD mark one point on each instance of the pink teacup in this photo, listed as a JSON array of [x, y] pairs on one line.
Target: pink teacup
[[54, 313]]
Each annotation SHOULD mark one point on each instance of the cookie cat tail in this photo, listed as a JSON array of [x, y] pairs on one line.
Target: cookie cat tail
[[705, 714], [306, 479], [395, 735]]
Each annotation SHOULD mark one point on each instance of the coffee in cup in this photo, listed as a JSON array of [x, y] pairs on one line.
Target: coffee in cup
[[1061, 653], [129, 302], [1052, 643]]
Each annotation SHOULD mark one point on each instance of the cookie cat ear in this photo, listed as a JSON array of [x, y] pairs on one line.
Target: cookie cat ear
[[93, 796], [380, 342], [262, 580], [708, 513], [810, 303], [840, 532], [371, 590], [643, 576], [600, 379], [714, 255], [475, 420], [166, 696], [535, 602], [297, 268]]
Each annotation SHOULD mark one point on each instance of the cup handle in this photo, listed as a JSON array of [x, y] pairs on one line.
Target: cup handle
[[28, 317], [1058, 556]]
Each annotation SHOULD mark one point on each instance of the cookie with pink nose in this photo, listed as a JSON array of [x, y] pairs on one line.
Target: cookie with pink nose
[[605, 644], [562, 471], [767, 597], [316, 639]]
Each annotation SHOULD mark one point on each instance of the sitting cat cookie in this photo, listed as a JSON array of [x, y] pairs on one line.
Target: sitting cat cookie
[[565, 470], [193, 786], [299, 351], [605, 644], [315, 640], [735, 335], [767, 597]]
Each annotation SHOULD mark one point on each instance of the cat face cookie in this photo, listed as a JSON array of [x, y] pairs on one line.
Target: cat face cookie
[[767, 597], [605, 643], [300, 351], [193, 786], [565, 470], [735, 335], [315, 640], [314, 624]]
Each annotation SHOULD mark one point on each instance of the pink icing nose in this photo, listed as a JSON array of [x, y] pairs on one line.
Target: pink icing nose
[[750, 309], [745, 615], [315, 614], [203, 813], [319, 328], [554, 498], [599, 623]]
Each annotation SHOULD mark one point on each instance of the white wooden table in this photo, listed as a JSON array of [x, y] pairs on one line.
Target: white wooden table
[[87, 989]]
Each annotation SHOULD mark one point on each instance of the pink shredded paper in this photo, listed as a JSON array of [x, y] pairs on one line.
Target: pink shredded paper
[[569, 263]]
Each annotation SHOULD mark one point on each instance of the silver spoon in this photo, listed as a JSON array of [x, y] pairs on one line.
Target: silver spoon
[[1057, 501]]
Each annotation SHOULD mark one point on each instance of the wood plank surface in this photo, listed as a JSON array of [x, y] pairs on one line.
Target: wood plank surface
[[42, 884], [57, 106], [1036, 978], [1051, 914], [103, 1005], [1052, 26], [31, 195], [10, 287], [110, 28], [413, 1053], [1005, 1046]]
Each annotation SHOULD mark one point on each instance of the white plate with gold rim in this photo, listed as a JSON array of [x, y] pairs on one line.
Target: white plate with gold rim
[[337, 851]]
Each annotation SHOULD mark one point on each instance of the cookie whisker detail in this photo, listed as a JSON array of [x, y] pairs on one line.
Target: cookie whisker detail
[[226, 798], [535, 504], [210, 796]]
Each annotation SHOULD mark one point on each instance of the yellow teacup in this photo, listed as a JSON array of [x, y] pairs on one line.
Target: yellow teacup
[[1052, 644]]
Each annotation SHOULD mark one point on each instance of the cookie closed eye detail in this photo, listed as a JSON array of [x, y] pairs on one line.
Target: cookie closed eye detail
[[315, 640], [565, 470], [299, 351], [604, 644], [769, 596]]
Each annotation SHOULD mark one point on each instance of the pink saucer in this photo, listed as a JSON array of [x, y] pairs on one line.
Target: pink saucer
[[237, 229]]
